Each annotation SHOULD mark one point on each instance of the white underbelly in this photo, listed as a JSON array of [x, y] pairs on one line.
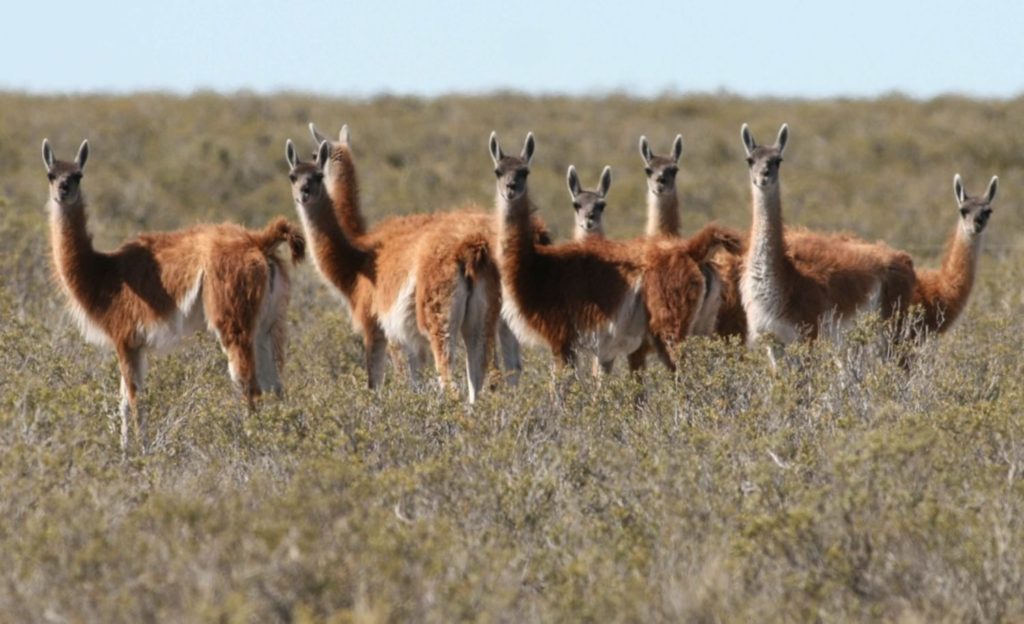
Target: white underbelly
[[92, 332], [399, 321], [516, 321], [764, 309], [187, 319]]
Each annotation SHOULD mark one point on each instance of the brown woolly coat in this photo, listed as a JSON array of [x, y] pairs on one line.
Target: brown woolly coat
[[566, 293], [127, 294]]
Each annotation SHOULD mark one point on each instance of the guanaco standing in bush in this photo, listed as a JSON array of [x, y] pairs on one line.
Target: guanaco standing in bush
[[942, 293], [159, 287], [343, 188], [794, 282], [600, 295], [407, 281]]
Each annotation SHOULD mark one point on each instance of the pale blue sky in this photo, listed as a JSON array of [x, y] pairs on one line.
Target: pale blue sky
[[776, 47]]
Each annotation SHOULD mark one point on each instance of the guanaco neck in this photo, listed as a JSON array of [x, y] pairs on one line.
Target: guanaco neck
[[75, 259], [336, 256], [343, 187], [515, 233], [662, 214], [766, 244], [959, 266]]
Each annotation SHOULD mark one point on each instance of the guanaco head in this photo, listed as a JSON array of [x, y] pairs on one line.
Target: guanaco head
[[512, 171], [661, 170], [764, 160], [344, 143], [307, 179], [65, 177], [588, 205], [974, 211]]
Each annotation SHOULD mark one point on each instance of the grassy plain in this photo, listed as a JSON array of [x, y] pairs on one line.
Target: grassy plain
[[840, 489]]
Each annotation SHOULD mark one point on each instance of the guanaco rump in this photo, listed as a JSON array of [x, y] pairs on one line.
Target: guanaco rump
[[942, 293], [793, 281], [408, 281], [160, 287]]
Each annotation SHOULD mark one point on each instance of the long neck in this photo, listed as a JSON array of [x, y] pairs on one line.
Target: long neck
[[336, 256], [515, 231], [662, 214], [74, 257], [766, 246], [343, 187], [956, 277]]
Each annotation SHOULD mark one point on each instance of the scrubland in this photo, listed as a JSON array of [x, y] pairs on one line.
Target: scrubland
[[840, 488]]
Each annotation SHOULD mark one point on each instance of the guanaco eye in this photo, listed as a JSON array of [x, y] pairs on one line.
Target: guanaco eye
[[599, 207], [671, 171], [292, 177], [648, 170], [51, 177], [750, 161], [576, 206], [497, 173], [318, 177], [964, 212]]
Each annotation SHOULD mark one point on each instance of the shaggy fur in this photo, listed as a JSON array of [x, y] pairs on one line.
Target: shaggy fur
[[942, 293], [409, 280], [158, 288], [793, 284], [669, 287], [343, 188], [598, 295], [721, 311]]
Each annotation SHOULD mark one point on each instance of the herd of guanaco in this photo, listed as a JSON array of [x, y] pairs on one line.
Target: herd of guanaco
[[421, 282]]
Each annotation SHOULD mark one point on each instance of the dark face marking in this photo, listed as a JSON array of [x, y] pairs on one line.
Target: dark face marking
[[65, 182], [307, 184], [974, 214], [511, 174], [661, 175], [764, 163], [589, 208]]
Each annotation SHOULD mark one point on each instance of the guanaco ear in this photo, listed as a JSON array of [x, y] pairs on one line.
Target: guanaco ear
[[344, 136], [317, 135], [323, 154], [645, 150], [677, 148], [47, 154], [496, 153], [780, 141], [82, 155], [290, 155], [993, 186], [606, 180], [528, 148], [748, 139], [574, 182], [958, 189]]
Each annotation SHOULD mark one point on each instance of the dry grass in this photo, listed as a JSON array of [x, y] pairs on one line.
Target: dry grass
[[839, 489]]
